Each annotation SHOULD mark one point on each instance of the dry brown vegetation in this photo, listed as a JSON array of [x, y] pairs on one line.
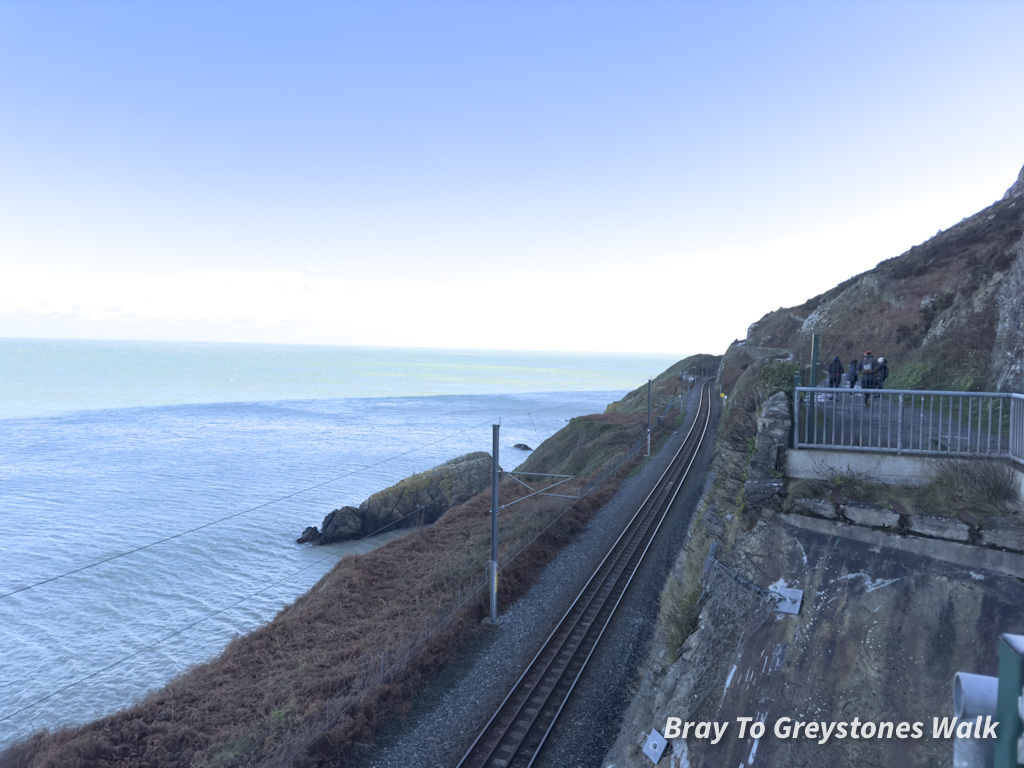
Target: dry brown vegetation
[[315, 683], [985, 486], [932, 311]]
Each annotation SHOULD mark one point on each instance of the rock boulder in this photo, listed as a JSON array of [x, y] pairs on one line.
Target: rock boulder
[[418, 500]]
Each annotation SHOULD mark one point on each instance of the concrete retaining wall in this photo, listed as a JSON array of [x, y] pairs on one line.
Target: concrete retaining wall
[[894, 470], [764, 492]]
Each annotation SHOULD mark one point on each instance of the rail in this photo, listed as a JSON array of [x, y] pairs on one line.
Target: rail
[[901, 421], [517, 732], [393, 664]]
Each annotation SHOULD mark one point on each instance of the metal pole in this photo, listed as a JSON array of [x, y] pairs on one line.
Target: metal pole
[[648, 417], [814, 360], [494, 524], [681, 377], [899, 428], [796, 412], [1013, 425], [814, 382]]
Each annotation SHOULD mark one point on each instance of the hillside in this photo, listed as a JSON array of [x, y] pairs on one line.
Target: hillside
[[888, 617], [947, 314], [312, 686]]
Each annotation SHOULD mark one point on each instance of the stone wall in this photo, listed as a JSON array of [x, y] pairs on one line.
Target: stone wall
[[766, 477], [891, 611], [772, 460]]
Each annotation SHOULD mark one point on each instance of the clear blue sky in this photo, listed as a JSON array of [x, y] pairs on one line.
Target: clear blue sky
[[533, 175]]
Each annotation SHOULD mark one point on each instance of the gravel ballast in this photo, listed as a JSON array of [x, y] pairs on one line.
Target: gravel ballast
[[453, 707]]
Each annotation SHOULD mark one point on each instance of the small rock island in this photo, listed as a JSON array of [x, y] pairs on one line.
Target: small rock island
[[417, 500]]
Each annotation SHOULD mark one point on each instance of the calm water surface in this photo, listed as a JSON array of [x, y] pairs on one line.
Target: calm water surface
[[151, 493]]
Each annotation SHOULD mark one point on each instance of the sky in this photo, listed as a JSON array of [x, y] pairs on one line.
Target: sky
[[498, 174]]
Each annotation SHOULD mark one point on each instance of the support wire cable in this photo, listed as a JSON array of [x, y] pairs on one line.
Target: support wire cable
[[242, 512], [266, 504], [149, 647], [462, 605], [196, 622]]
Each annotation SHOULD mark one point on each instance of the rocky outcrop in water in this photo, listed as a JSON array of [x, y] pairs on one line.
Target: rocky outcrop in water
[[418, 500]]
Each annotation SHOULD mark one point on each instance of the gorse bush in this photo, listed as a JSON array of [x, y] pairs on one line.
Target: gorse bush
[[917, 375], [778, 376]]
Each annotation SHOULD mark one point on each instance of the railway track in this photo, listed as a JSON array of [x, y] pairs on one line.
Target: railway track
[[515, 735]]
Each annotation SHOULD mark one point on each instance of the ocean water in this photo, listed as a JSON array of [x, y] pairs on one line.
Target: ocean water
[[151, 493]]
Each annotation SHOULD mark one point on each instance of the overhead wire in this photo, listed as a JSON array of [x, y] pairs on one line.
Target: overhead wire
[[261, 506], [332, 720], [238, 602], [243, 512], [177, 632], [205, 618]]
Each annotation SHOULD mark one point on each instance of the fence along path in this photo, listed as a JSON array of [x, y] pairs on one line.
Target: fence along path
[[964, 424]]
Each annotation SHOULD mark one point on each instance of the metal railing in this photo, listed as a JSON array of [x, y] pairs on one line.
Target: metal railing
[[966, 424]]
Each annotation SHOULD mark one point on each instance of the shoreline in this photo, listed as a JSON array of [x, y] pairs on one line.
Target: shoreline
[[230, 564], [295, 619]]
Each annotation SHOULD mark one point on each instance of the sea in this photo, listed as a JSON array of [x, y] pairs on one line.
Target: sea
[[151, 492]]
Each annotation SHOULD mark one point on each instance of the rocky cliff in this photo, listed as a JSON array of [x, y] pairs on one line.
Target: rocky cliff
[[947, 314], [888, 617], [416, 500], [894, 604]]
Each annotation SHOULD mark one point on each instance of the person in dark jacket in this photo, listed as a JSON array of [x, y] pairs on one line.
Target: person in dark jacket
[[852, 374], [882, 373], [867, 371], [835, 372]]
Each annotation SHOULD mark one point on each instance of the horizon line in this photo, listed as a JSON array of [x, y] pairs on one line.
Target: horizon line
[[353, 346]]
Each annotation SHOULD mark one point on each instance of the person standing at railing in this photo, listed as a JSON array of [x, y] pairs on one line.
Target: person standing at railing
[[835, 373], [868, 370], [852, 375], [882, 374]]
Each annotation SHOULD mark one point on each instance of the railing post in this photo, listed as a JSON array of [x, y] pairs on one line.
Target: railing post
[[1015, 438], [899, 428], [796, 416]]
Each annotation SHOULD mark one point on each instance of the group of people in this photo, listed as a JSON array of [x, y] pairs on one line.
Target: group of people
[[870, 372]]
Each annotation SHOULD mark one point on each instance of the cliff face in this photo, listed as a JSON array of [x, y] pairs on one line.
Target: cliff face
[[884, 625], [1017, 189], [947, 314], [886, 621], [416, 500]]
